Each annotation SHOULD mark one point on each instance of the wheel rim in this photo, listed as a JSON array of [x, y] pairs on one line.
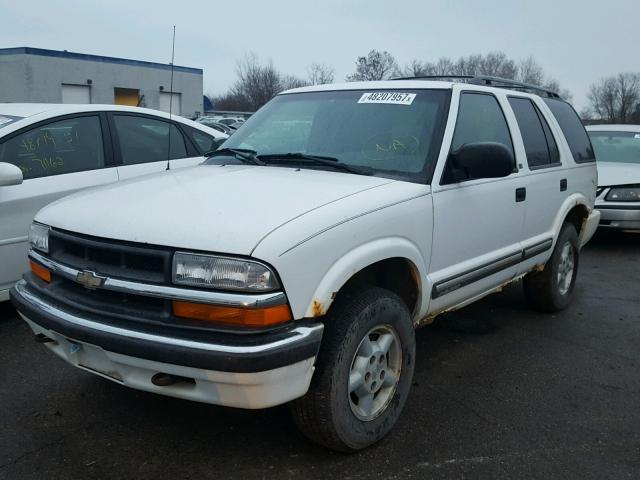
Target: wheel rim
[[565, 268], [375, 372]]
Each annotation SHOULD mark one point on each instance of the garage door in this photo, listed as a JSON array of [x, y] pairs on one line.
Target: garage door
[[166, 97], [126, 96], [76, 93]]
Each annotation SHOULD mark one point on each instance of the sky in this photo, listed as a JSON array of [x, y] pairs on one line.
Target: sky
[[577, 42]]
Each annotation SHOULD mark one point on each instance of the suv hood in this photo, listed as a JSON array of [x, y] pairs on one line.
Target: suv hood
[[612, 173], [225, 209]]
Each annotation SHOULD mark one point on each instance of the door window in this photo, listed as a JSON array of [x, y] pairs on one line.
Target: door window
[[539, 144], [145, 140], [65, 146], [480, 119]]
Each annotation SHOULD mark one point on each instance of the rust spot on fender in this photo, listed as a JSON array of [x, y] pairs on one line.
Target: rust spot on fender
[[317, 309]]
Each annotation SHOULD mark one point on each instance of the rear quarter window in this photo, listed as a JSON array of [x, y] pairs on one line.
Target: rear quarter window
[[572, 129]]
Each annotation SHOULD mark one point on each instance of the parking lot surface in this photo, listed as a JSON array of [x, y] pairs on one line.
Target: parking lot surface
[[538, 396]]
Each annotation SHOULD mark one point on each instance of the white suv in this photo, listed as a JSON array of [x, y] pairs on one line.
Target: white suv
[[294, 265]]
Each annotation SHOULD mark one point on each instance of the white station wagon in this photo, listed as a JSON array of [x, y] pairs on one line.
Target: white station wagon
[[295, 264], [50, 150]]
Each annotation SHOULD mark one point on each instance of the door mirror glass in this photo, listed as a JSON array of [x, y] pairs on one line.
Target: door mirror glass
[[9, 175], [481, 160]]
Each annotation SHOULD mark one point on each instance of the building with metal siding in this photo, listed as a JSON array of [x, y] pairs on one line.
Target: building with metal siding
[[52, 76]]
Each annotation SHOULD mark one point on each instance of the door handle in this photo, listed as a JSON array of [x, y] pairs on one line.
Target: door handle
[[563, 184], [521, 194]]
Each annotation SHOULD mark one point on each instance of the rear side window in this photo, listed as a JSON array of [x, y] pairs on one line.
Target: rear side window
[[204, 142], [572, 129], [65, 146], [480, 119], [539, 144], [146, 140]]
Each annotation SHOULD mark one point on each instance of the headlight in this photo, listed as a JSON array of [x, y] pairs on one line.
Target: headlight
[[209, 271], [39, 237], [629, 193]]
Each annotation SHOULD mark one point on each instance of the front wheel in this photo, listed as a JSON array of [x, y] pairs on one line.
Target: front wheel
[[551, 290], [363, 372]]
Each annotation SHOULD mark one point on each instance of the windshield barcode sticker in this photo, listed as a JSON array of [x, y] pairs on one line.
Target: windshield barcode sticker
[[395, 98], [4, 120]]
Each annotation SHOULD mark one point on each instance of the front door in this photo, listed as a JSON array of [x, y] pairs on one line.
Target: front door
[[477, 223]]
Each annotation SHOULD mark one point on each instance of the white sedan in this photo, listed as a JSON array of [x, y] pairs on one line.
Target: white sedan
[[48, 151], [617, 149]]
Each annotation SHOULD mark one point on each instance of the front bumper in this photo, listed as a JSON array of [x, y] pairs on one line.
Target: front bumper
[[623, 217], [253, 372]]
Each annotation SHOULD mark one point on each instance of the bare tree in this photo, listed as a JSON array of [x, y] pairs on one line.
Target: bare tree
[[256, 83], [320, 73], [494, 64], [375, 66], [231, 101], [529, 71], [291, 81], [616, 99]]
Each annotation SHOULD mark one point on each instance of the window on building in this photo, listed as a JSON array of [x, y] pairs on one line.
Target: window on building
[[144, 140], [65, 146]]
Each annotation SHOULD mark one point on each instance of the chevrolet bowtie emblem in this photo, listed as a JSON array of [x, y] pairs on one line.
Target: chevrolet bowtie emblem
[[90, 280]]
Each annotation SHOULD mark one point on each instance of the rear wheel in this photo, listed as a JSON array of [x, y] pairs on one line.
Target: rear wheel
[[363, 373], [551, 290]]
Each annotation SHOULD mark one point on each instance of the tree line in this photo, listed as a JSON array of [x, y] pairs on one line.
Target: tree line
[[613, 99]]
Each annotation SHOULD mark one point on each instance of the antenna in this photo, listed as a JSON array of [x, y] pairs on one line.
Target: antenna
[[173, 51]]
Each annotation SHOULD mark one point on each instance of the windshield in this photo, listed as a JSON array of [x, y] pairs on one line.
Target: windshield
[[396, 134], [616, 146], [6, 120]]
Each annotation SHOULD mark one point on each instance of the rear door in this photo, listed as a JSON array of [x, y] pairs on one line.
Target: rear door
[[142, 145], [57, 157], [477, 222], [547, 180]]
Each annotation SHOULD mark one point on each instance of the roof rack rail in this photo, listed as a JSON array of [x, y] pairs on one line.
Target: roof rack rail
[[490, 82]]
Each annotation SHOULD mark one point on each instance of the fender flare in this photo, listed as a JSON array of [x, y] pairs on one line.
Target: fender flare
[[358, 259], [572, 201]]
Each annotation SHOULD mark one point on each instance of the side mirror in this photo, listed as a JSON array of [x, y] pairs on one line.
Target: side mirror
[[481, 160], [9, 175]]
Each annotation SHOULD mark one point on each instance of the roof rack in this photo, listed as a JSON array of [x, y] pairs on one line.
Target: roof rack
[[489, 81]]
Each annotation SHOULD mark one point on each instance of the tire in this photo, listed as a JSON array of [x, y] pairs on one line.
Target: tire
[[329, 414], [550, 290]]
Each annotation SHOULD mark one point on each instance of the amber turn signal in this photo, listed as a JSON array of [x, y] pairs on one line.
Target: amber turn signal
[[233, 316], [39, 271]]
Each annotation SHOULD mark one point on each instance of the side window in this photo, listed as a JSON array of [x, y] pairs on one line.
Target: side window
[[554, 153], [539, 144], [65, 146], [480, 119], [572, 129], [145, 140], [204, 142]]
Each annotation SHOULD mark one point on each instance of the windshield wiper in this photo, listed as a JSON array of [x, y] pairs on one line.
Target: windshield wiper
[[292, 157], [245, 155]]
